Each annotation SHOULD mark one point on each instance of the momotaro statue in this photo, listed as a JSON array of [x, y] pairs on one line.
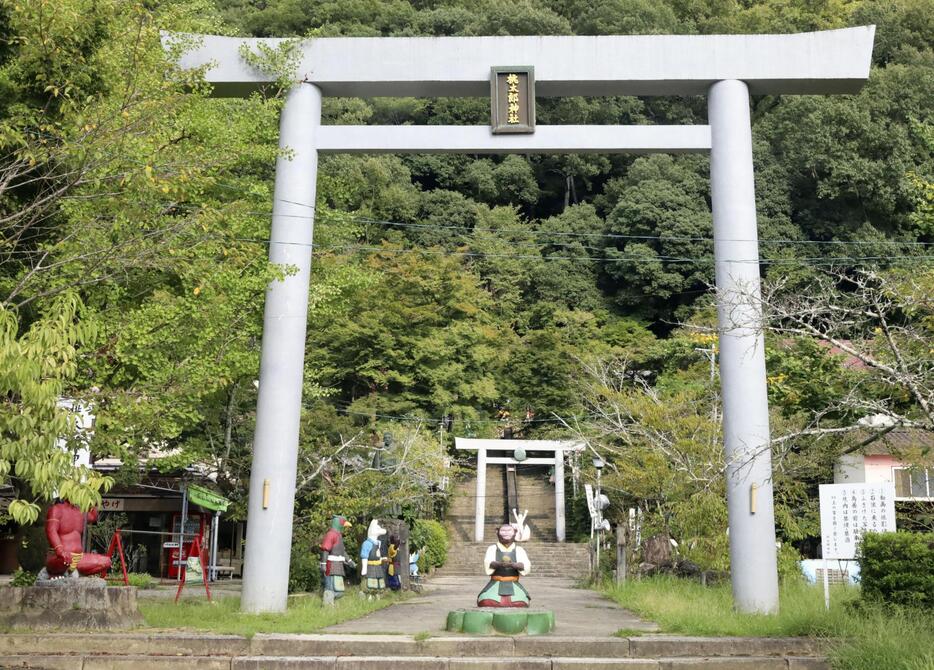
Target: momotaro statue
[[64, 529], [373, 563], [333, 559], [505, 562]]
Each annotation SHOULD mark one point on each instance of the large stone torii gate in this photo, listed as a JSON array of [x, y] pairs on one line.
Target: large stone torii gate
[[725, 68]]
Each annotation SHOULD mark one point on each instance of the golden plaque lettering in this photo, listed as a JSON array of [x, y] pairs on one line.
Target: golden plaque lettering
[[512, 101]]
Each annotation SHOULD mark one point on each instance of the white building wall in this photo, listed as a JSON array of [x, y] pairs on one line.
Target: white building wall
[[850, 469]]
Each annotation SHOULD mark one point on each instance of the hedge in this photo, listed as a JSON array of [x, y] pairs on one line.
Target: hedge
[[433, 536], [898, 568]]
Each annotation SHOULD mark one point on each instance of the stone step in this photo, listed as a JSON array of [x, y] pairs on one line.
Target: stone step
[[538, 561], [545, 547], [534, 492], [86, 662], [537, 555], [208, 645]]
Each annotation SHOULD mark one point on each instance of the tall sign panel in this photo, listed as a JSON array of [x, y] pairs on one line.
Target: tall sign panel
[[512, 99], [849, 510]]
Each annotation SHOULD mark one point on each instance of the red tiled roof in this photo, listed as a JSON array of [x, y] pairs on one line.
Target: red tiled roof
[[849, 361]]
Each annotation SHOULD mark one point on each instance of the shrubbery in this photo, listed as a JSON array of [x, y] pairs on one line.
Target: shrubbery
[[32, 549], [23, 578], [433, 537], [304, 572], [898, 568]]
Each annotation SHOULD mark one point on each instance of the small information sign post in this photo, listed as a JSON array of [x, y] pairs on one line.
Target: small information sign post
[[591, 507], [846, 512], [512, 99]]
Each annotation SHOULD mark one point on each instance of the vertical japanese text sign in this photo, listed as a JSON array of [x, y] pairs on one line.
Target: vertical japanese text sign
[[849, 510], [512, 99]]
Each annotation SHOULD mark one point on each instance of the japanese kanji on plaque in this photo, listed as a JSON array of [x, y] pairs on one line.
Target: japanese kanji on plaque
[[849, 510], [512, 99]]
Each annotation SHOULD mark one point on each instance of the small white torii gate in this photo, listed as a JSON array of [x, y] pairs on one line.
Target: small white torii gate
[[725, 68], [556, 447]]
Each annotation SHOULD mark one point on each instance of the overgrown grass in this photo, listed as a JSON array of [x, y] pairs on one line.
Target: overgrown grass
[[305, 614], [140, 580], [867, 637], [683, 606], [877, 637]]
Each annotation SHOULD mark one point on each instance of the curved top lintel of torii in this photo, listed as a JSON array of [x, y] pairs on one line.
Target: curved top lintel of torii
[[823, 62]]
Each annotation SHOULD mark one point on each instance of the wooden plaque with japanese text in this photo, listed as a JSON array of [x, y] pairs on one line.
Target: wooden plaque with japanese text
[[512, 99], [849, 510]]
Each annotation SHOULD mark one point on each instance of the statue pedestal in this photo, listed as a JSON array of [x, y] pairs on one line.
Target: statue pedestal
[[501, 620], [86, 603]]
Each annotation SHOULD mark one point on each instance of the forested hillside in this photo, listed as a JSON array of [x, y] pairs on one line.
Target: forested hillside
[[531, 291]]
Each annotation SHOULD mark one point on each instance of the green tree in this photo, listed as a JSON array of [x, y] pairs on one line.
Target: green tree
[[40, 438], [626, 17], [660, 257], [419, 338]]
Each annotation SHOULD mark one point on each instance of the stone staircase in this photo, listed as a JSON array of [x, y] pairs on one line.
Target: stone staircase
[[549, 557], [148, 650], [567, 560]]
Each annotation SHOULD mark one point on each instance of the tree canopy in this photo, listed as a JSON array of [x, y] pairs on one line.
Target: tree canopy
[[134, 217]]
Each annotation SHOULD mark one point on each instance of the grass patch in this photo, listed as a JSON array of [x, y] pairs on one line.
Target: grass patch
[[140, 580], [305, 614], [683, 606], [885, 637], [868, 636]]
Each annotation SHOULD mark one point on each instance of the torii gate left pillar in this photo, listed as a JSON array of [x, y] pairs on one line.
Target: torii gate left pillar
[[281, 371]]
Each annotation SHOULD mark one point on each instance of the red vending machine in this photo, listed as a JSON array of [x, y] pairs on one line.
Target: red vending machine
[[194, 526]]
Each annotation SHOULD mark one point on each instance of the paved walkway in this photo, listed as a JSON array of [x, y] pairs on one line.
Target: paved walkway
[[579, 612]]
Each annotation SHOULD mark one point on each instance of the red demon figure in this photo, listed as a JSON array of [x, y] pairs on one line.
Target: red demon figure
[[64, 528]]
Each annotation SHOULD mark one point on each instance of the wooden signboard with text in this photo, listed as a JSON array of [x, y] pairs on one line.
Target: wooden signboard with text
[[512, 99], [849, 510]]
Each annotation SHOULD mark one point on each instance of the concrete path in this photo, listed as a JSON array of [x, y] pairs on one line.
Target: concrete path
[[579, 612]]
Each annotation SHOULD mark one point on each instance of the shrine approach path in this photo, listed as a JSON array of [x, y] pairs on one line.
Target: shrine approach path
[[578, 611]]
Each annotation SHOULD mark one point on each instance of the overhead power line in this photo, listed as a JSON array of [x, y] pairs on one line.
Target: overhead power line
[[526, 231], [812, 260], [414, 418]]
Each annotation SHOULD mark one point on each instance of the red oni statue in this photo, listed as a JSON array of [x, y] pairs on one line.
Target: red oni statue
[[64, 528]]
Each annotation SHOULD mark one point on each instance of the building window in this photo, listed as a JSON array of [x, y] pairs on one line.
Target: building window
[[914, 483]]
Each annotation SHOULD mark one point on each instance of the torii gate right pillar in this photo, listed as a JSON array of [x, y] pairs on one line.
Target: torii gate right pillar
[[753, 561]]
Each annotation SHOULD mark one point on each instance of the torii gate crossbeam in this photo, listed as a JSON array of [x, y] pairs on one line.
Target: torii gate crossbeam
[[727, 68]]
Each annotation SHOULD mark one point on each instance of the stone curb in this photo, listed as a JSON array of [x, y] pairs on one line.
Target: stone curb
[[656, 646], [136, 662], [188, 644], [337, 645]]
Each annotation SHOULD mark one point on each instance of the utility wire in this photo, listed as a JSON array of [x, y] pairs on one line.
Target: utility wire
[[336, 214], [417, 419], [526, 231], [811, 260], [654, 259]]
